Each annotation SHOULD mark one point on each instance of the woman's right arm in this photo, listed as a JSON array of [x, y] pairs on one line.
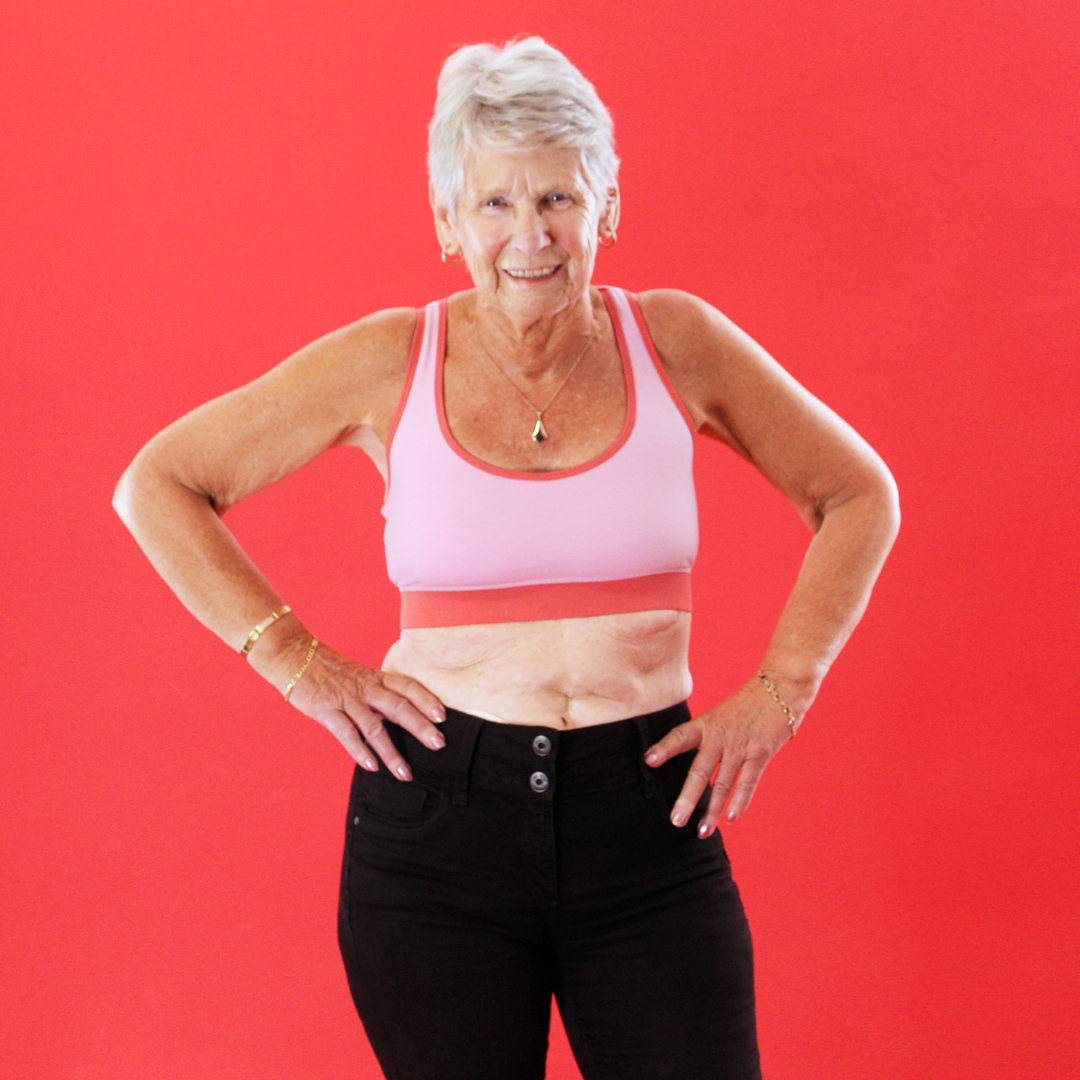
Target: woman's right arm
[[343, 388]]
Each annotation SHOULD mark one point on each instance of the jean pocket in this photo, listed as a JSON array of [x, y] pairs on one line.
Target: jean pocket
[[670, 778], [384, 803]]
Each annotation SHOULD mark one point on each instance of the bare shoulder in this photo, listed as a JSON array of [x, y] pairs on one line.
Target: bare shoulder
[[711, 362], [669, 307], [359, 369], [687, 331], [383, 337]]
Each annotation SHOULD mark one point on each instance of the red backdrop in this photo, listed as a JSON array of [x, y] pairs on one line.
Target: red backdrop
[[883, 194]]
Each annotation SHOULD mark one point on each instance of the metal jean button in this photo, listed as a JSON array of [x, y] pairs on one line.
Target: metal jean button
[[539, 782], [542, 745]]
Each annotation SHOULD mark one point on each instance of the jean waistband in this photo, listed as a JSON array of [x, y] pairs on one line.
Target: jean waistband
[[534, 761]]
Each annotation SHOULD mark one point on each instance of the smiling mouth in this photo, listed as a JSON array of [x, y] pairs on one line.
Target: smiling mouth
[[525, 275]]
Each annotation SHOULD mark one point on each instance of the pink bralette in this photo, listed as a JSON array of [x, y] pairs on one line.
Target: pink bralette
[[468, 542]]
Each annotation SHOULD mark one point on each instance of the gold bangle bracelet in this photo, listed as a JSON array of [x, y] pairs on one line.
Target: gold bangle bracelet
[[262, 627], [775, 695], [303, 667]]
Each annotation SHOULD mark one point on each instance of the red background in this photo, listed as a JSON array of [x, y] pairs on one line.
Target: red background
[[883, 194]]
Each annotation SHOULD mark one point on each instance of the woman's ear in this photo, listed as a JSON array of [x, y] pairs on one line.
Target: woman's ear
[[609, 217], [444, 224]]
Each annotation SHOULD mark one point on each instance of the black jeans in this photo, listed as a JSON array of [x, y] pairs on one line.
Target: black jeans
[[523, 862]]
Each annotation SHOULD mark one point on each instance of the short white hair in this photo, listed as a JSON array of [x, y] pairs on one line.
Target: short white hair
[[524, 93]]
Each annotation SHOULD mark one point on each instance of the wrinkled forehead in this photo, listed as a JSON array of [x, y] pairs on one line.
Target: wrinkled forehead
[[528, 169]]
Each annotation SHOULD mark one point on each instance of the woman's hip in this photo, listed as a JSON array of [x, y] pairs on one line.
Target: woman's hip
[[535, 815]]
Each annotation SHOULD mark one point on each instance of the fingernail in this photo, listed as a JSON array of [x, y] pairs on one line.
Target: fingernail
[[678, 818], [651, 758], [436, 742], [371, 766], [731, 815], [403, 772], [438, 715], [703, 830]]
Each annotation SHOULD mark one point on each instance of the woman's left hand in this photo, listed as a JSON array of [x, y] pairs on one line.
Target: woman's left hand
[[741, 735]]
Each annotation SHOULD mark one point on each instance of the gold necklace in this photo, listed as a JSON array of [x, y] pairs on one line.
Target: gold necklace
[[539, 432]]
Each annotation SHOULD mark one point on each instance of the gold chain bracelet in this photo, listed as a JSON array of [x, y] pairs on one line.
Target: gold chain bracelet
[[770, 686], [262, 627], [303, 667]]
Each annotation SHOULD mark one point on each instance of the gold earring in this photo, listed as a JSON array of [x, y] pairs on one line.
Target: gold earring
[[452, 262], [612, 238]]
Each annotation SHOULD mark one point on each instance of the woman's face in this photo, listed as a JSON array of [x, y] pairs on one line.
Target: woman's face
[[527, 224]]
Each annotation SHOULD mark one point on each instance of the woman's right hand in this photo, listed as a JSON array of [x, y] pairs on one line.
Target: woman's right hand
[[354, 703]]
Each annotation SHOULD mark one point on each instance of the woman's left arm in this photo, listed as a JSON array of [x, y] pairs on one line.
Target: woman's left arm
[[735, 392]]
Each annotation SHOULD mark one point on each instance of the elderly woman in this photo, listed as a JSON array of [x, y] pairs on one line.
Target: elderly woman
[[534, 810]]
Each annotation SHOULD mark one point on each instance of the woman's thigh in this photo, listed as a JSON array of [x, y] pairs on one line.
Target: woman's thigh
[[445, 952], [654, 957], [448, 1002]]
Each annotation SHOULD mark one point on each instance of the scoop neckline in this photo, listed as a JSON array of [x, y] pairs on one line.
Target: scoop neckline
[[551, 474]]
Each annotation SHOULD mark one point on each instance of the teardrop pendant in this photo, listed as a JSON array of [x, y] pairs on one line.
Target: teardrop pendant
[[539, 433]]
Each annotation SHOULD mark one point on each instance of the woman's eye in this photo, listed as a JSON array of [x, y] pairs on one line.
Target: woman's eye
[[557, 197]]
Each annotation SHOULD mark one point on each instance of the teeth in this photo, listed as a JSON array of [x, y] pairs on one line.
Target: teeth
[[533, 273]]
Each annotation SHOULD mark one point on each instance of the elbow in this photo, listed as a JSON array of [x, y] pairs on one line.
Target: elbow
[[147, 489], [874, 499], [138, 488], [881, 502], [889, 499], [122, 496]]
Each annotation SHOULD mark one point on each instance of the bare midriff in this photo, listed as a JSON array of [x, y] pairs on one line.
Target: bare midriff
[[560, 673]]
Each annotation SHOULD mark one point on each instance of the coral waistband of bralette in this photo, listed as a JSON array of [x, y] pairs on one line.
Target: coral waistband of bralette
[[557, 600]]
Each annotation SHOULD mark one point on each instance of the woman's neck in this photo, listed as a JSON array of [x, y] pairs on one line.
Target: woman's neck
[[534, 345]]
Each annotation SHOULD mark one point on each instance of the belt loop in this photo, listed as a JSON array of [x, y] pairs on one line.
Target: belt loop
[[648, 774], [464, 761]]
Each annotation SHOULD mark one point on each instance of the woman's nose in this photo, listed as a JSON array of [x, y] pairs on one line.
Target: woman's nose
[[530, 231]]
